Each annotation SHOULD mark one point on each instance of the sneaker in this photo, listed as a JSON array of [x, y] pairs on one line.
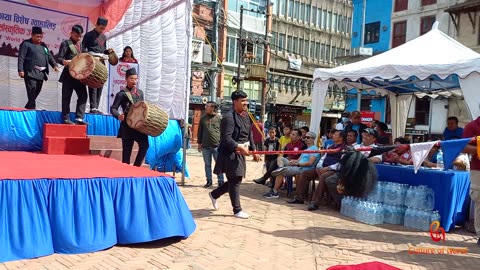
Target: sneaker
[[478, 242], [295, 201], [259, 181], [279, 171], [214, 201], [312, 207], [271, 195], [242, 214], [68, 121], [220, 183]]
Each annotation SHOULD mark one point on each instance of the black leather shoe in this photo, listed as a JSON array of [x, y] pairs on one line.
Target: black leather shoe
[[81, 122], [312, 207], [207, 185], [295, 201], [68, 122], [260, 181]]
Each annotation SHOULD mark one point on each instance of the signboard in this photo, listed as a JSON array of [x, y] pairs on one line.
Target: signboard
[[367, 117], [17, 20], [116, 78], [252, 106]]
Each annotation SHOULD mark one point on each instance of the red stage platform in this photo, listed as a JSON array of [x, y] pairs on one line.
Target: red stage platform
[[27, 165]]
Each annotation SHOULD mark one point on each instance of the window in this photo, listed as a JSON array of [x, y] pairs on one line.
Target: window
[[426, 24], [341, 23], [259, 51], [289, 44], [365, 105], [302, 12], [274, 42], [306, 52], [232, 5], [296, 10], [400, 5], [307, 14], [334, 22], [317, 50], [422, 111], [295, 45], [322, 52], [319, 17], [290, 8], [399, 33], [428, 2], [324, 19], [232, 51], [349, 25], [312, 49], [329, 20], [281, 7], [327, 56], [300, 46], [281, 42], [372, 32], [314, 16]]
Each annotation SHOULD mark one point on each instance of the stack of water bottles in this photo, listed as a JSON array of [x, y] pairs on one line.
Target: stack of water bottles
[[420, 201], [394, 203]]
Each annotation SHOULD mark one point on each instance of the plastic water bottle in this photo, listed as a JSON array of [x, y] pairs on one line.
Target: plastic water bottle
[[440, 159], [435, 216], [407, 222], [410, 197]]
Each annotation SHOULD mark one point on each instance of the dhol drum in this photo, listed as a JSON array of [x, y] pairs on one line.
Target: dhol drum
[[89, 70], [147, 118]]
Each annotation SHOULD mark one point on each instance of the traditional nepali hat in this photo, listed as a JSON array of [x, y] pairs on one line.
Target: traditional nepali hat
[[36, 30], [102, 21], [130, 72]]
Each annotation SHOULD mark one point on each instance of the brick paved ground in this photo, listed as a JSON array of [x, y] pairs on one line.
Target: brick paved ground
[[278, 236]]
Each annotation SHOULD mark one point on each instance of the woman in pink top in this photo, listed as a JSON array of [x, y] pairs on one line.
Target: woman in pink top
[[127, 56]]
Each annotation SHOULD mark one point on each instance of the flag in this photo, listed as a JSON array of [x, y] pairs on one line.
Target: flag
[[451, 149], [420, 152]]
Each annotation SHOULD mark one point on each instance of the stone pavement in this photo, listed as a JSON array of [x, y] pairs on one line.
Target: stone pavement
[[277, 236]]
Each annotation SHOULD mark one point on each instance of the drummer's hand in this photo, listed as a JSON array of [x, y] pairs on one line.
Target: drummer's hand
[[121, 117], [66, 62], [242, 150], [21, 74], [111, 50], [199, 147], [256, 157], [56, 69]]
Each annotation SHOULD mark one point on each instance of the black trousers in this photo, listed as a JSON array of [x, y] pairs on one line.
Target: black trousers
[[127, 146], [271, 166], [68, 86], [34, 87], [232, 186], [94, 95]]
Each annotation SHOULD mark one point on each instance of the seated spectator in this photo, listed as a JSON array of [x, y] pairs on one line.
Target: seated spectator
[[329, 141], [368, 140], [343, 122], [356, 124], [325, 168], [383, 137], [352, 137], [431, 160], [271, 144], [452, 130], [304, 131], [295, 167], [295, 144]]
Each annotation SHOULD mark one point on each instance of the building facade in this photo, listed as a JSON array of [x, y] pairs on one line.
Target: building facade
[[305, 35], [466, 17]]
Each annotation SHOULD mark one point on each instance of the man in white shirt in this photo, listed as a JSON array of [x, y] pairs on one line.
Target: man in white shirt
[[343, 122]]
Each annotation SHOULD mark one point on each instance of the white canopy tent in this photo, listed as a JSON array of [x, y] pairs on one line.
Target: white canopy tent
[[433, 63]]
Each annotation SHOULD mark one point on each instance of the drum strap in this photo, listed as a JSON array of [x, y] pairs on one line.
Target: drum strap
[[129, 96], [72, 47]]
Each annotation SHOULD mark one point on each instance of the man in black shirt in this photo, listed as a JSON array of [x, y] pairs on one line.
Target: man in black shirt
[[95, 41], [126, 98], [33, 60], [236, 142], [68, 50]]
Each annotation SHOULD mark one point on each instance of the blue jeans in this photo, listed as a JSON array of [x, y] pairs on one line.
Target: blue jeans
[[208, 153]]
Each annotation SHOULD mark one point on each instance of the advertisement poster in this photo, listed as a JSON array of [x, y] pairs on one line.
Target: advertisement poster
[[116, 78], [17, 20], [367, 117]]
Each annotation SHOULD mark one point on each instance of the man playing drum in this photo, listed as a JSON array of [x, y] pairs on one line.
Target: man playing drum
[[125, 99], [68, 50], [95, 41]]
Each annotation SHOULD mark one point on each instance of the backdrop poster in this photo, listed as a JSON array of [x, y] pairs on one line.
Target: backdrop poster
[[17, 20], [116, 79]]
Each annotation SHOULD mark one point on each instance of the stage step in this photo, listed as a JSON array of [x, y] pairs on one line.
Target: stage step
[[62, 130], [61, 139], [109, 147]]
